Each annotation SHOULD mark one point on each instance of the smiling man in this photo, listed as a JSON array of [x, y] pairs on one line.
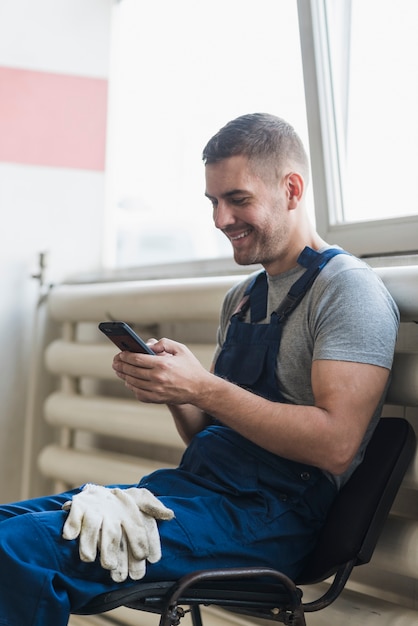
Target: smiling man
[[277, 426]]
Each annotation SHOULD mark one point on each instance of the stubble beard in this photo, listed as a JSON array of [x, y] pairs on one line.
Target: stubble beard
[[267, 249]]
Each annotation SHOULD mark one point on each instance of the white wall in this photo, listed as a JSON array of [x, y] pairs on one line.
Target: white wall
[[44, 205]]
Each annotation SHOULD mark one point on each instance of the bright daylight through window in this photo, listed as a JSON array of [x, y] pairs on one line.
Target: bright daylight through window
[[374, 53], [179, 71]]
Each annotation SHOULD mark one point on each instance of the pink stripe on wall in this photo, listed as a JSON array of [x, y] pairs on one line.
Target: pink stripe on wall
[[52, 119]]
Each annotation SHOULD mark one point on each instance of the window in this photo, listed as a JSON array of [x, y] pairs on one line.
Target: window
[[179, 71], [362, 110]]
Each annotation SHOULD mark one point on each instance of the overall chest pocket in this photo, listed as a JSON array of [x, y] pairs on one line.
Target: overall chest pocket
[[243, 364]]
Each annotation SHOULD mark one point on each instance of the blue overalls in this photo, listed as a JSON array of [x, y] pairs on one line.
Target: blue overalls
[[235, 503]]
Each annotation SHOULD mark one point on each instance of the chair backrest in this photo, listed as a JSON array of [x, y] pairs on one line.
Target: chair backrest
[[358, 514]]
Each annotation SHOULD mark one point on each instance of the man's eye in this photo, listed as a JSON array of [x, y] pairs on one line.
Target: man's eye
[[239, 201]]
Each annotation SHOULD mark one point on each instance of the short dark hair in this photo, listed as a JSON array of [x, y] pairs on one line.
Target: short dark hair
[[263, 138]]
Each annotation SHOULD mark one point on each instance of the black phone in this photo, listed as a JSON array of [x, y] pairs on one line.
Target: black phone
[[124, 337]]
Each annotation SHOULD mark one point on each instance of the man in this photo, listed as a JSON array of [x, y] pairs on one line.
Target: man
[[272, 432]]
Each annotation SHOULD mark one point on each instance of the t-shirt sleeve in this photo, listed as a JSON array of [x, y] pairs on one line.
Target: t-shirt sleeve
[[356, 319]]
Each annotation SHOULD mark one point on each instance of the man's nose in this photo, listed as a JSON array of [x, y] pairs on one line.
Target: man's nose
[[223, 215]]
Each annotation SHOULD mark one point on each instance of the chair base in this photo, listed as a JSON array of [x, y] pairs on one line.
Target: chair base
[[266, 594]]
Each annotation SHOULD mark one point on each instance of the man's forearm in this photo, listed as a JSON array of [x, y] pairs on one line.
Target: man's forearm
[[188, 419], [326, 434]]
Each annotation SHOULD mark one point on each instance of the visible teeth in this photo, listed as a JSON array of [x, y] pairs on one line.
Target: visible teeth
[[241, 235]]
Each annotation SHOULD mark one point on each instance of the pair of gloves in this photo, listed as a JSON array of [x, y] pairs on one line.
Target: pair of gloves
[[120, 525]]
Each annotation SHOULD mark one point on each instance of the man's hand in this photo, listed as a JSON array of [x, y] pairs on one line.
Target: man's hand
[[176, 377], [120, 525]]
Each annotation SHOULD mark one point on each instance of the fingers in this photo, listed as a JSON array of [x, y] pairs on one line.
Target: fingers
[[88, 543], [162, 347], [136, 567], [73, 523], [160, 381], [120, 571], [129, 368], [118, 524], [133, 525], [127, 564], [149, 504], [154, 542], [133, 360], [137, 537], [166, 346], [110, 542]]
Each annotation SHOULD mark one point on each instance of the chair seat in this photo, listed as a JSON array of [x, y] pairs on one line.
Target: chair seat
[[227, 589]]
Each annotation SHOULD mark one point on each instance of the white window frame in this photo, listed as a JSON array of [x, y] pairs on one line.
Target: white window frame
[[365, 238]]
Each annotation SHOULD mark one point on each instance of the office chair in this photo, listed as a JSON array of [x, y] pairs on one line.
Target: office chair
[[347, 540]]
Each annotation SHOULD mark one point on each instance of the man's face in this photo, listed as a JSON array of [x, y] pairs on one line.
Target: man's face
[[251, 211]]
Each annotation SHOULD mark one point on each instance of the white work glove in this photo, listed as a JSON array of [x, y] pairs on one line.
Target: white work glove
[[120, 524]]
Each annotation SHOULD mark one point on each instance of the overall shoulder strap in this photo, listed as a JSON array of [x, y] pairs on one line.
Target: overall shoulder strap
[[314, 262], [255, 296]]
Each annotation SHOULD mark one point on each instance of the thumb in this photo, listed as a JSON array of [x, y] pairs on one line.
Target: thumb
[[73, 523], [165, 347]]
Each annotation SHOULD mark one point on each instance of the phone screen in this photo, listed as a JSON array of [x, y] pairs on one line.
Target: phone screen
[[124, 337]]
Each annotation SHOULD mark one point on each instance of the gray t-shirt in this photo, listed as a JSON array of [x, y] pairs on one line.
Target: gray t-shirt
[[347, 315]]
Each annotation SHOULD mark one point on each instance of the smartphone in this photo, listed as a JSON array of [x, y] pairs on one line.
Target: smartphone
[[124, 337]]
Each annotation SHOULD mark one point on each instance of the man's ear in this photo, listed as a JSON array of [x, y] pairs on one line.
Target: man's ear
[[295, 186]]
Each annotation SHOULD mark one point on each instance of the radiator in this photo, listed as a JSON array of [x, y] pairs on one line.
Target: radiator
[[104, 436]]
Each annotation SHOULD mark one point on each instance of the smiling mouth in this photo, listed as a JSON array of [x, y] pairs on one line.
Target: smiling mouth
[[240, 236]]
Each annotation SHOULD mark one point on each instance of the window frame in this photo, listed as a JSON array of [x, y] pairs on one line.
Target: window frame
[[366, 238]]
